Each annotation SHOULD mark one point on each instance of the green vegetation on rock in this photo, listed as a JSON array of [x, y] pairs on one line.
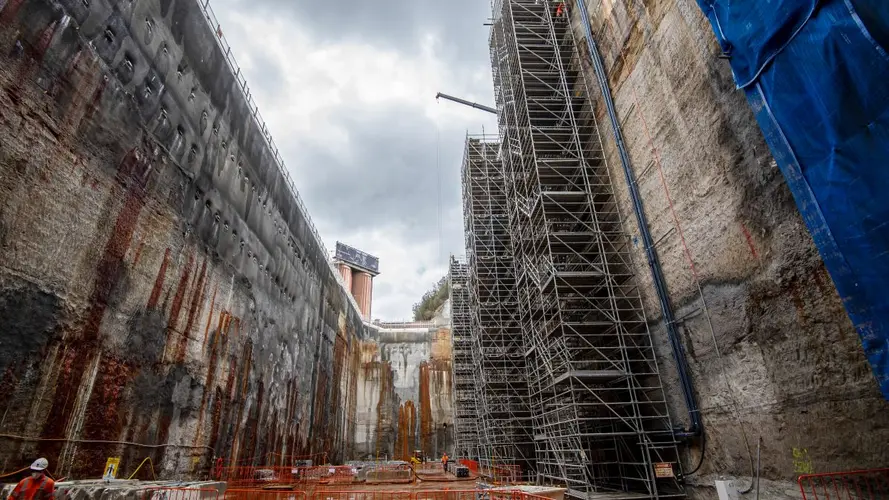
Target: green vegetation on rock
[[431, 301]]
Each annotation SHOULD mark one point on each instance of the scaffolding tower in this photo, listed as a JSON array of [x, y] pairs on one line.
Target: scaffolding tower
[[500, 370], [599, 416], [466, 418]]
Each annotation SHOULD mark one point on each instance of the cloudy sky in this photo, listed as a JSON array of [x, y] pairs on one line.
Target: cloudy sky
[[348, 91]]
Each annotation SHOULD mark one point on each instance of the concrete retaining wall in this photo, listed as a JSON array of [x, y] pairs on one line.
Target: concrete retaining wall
[[159, 283], [405, 391]]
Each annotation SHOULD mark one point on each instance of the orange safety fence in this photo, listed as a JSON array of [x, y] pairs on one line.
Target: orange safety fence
[[851, 485], [258, 476], [503, 473], [362, 495], [469, 495], [472, 465], [254, 494], [161, 493]]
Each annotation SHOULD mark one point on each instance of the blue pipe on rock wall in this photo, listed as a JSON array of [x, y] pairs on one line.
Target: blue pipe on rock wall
[[696, 427]]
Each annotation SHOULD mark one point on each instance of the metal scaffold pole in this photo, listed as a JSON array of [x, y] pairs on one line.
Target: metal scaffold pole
[[561, 354], [466, 416], [499, 345]]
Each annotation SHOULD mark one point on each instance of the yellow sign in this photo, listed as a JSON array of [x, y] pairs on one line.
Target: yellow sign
[[111, 466], [663, 469]]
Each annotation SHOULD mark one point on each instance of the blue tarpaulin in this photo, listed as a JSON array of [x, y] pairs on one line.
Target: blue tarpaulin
[[816, 73]]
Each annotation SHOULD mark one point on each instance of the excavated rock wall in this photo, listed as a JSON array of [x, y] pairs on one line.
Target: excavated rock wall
[[790, 367], [159, 283]]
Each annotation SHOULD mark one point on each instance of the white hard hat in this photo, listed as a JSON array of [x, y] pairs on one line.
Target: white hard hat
[[40, 464]]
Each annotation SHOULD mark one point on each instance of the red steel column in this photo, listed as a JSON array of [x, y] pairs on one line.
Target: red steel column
[[346, 272], [362, 288]]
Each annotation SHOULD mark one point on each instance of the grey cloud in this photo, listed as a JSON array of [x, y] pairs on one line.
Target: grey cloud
[[399, 25], [390, 181], [392, 176], [272, 80]]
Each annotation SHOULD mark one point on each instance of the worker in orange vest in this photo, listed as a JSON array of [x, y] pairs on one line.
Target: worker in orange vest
[[444, 462], [560, 9], [36, 486]]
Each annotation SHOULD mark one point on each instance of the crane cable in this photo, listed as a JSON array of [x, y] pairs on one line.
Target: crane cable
[[438, 174]]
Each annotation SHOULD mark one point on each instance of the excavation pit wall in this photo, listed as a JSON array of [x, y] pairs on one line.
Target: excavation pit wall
[[163, 294], [790, 369], [405, 391]]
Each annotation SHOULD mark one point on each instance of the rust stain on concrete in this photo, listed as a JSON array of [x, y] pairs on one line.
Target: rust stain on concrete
[[197, 300], [406, 440], [209, 317], [176, 306], [159, 282], [425, 408]]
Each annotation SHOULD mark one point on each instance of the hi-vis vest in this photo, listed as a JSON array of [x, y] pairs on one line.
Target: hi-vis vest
[[40, 494]]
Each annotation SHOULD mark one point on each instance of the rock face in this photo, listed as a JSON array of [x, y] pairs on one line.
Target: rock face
[[159, 283], [405, 390], [789, 366]]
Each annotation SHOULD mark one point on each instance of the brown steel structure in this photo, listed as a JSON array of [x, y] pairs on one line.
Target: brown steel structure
[[563, 359], [500, 370]]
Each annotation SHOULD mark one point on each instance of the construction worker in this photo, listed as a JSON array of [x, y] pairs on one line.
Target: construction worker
[[444, 462], [560, 10], [36, 486]]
